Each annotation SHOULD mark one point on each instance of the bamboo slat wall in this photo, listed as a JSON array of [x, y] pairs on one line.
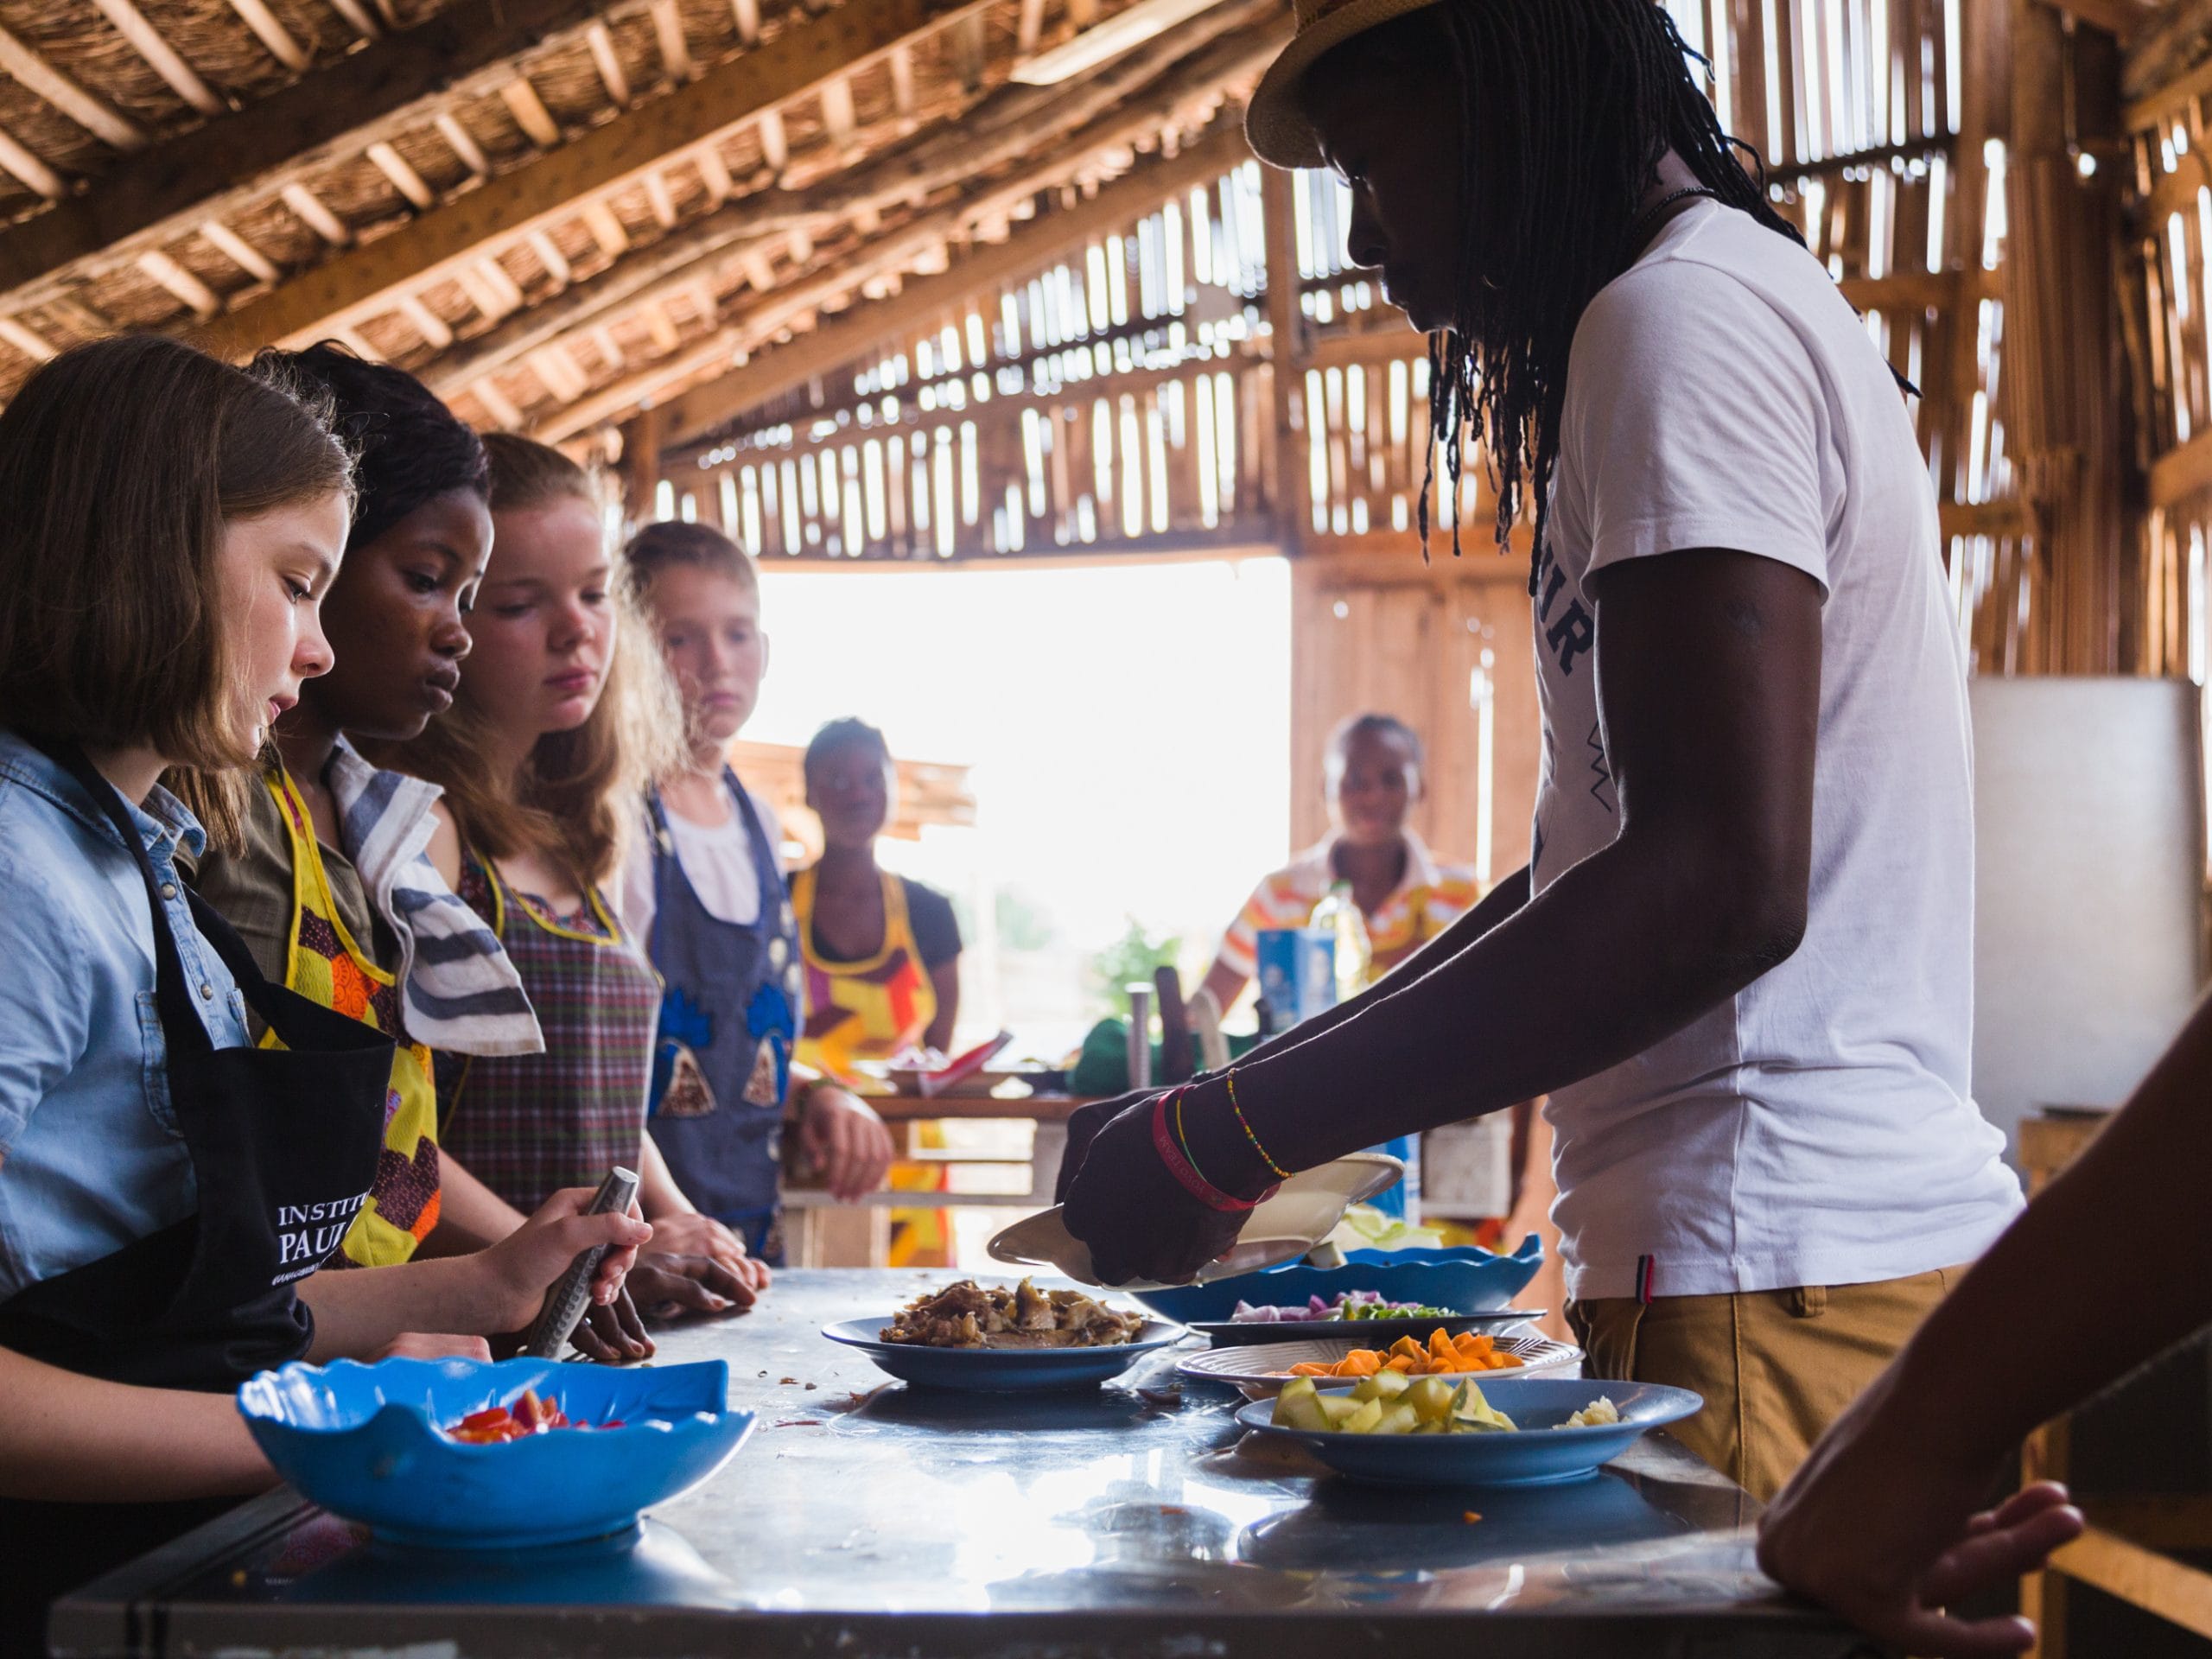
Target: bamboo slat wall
[[1111, 399], [2167, 313]]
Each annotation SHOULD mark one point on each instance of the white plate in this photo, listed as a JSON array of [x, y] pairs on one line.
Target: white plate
[[1299, 1216], [1255, 1371]]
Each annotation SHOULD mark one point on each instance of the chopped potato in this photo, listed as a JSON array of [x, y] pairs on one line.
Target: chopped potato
[[1387, 1403]]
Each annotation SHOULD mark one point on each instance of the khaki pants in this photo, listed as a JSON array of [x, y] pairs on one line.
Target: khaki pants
[[1775, 1367]]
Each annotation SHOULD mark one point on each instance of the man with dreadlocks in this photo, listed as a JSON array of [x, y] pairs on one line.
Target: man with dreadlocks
[[1740, 960]]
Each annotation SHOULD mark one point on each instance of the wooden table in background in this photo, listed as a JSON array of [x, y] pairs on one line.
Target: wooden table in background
[[819, 1231], [2121, 1552]]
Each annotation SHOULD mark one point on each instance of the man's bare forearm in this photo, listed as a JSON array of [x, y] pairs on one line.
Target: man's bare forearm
[[1499, 904], [1985, 1366]]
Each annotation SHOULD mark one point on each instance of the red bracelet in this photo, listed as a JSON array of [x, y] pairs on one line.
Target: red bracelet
[[1183, 1170]]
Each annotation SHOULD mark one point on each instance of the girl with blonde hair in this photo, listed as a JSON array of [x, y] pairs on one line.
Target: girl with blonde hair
[[562, 715]]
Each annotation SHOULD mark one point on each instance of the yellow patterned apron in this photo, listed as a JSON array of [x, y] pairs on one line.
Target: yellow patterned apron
[[872, 1010], [862, 1010], [323, 963]]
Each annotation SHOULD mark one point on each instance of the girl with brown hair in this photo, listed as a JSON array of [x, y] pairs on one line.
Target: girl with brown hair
[[562, 715], [169, 525]]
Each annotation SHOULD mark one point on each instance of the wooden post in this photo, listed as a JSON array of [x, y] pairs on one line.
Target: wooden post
[[2063, 396], [1290, 494], [641, 446]]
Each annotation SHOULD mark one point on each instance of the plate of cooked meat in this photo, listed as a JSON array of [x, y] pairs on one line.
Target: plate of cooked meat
[[1002, 1339]]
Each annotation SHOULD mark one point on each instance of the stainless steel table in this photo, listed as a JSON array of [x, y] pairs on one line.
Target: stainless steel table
[[863, 1521]]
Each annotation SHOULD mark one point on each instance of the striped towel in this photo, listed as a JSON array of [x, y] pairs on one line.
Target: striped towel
[[459, 991]]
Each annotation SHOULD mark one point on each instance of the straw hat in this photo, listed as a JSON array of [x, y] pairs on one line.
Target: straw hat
[[1276, 127]]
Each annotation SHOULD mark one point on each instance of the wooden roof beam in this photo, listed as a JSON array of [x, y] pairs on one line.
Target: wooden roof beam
[[1118, 109], [385, 88], [272, 33], [88, 109], [2119, 18], [606, 227], [316, 213], [529, 113], [30, 168], [240, 251], [27, 340], [1122, 106], [797, 61], [405, 179], [161, 57], [668, 35], [358, 15], [196, 294], [1035, 245], [608, 62], [462, 142], [497, 404]]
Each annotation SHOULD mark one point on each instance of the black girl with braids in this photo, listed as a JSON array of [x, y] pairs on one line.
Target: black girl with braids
[[1740, 960], [329, 888]]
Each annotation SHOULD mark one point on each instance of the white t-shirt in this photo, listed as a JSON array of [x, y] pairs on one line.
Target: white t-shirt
[[1817, 1128], [716, 859]]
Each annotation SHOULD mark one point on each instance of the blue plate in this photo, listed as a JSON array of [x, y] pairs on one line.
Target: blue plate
[[1538, 1455], [1467, 1281], [361, 1440], [999, 1370]]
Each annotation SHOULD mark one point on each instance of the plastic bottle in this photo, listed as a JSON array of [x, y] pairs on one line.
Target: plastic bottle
[[1338, 916]]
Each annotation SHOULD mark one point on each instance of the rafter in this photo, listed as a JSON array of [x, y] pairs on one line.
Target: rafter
[[88, 109], [272, 33], [376, 93], [161, 57], [1035, 244], [798, 61], [1120, 107], [30, 168]]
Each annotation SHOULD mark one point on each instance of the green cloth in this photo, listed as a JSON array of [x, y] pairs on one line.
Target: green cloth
[[1102, 1068]]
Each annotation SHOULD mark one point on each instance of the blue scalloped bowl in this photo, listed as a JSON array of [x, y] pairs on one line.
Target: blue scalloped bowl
[[361, 1442], [1464, 1279]]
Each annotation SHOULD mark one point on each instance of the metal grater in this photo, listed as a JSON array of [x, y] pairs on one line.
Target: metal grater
[[548, 1337]]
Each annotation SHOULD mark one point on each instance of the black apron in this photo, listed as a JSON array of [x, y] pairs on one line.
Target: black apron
[[283, 1147]]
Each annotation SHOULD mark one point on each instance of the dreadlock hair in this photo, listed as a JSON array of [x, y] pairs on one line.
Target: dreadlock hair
[[1565, 107]]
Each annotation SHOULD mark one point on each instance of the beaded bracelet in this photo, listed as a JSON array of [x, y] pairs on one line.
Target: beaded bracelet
[[1230, 1078], [1180, 1166]]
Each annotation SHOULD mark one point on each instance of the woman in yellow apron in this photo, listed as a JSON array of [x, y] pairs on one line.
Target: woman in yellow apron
[[330, 888], [881, 953]]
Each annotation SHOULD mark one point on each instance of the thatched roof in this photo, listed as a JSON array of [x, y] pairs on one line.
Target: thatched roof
[[558, 212]]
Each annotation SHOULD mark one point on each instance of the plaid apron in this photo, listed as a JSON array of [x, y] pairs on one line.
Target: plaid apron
[[527, 1125]]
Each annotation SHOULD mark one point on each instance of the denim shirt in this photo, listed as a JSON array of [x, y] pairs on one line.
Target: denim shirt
[[90, 1155]]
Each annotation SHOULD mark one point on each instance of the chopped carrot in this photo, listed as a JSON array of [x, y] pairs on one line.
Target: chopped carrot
[[1441, 1354]]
